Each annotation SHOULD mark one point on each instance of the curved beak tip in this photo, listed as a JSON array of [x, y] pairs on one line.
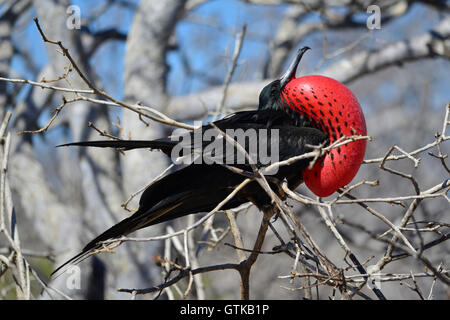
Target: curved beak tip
[[290, 73], [304, 49]]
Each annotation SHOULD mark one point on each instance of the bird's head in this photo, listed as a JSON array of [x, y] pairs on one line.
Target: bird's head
[[331, 107], [269, 98]]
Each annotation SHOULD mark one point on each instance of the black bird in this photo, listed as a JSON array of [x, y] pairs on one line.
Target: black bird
[[201, 186]]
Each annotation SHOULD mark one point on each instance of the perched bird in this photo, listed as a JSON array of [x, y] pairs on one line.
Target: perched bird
[[294, 115]]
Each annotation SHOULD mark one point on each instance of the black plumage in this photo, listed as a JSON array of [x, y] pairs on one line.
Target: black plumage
[[201, 186]]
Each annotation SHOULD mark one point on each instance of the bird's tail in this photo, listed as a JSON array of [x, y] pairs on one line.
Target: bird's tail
[[130, 224], [162, 144], [196, 188], [135, 222]]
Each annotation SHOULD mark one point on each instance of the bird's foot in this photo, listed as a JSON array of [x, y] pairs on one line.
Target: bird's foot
[[276, 216]]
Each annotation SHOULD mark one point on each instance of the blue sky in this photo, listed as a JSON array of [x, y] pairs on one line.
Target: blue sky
[[206, 47]]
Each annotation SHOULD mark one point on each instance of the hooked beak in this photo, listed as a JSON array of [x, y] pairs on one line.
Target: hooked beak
[[292, 70]]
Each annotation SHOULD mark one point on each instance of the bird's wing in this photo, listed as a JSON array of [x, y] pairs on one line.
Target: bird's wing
[[201, 187]]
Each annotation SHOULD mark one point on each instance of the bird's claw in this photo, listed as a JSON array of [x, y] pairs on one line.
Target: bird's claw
[[276, 216]]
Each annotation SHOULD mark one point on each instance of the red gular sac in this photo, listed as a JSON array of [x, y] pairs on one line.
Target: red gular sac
[[334, 109]]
